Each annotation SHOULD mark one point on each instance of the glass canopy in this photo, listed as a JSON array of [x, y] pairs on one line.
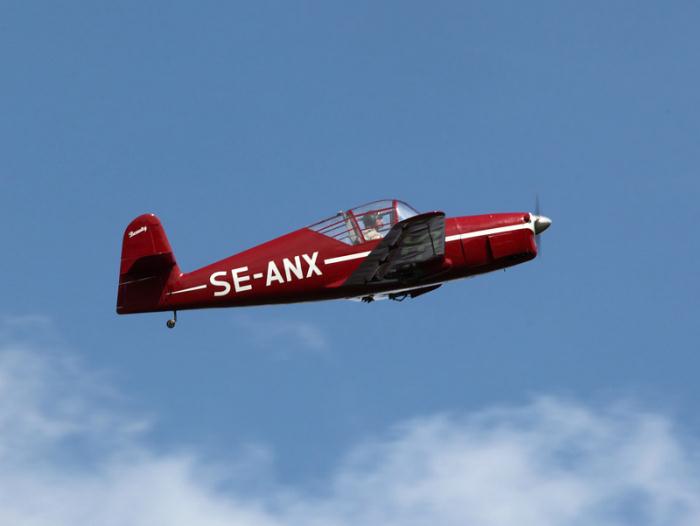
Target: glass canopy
[[365, 223]]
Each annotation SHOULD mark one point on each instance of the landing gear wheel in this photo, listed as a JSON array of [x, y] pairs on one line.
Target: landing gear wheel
[[171, 323]]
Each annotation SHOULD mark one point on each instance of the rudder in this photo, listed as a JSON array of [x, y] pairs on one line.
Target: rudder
[[147, 266]]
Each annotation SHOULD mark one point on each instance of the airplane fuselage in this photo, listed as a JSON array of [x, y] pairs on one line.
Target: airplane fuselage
[[306, 265]]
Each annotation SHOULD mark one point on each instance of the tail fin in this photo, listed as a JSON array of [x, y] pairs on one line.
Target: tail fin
[[147, 266]]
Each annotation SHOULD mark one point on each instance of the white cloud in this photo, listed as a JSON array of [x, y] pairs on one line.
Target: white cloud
[[550, 462]]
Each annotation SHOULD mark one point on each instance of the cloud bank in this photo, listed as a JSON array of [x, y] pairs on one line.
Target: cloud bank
[[68, 456]]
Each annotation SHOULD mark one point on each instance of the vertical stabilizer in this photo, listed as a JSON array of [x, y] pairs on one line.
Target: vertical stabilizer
[[147, 268]]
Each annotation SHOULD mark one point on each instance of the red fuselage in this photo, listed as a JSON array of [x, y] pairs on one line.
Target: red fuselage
[[306, 265]]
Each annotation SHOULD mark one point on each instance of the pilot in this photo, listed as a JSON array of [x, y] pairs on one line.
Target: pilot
[[372, 224]]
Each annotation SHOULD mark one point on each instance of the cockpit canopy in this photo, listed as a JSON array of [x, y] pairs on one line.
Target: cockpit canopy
[[365, 223]]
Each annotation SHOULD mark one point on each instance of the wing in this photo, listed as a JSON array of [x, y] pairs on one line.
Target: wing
[[411, 250]]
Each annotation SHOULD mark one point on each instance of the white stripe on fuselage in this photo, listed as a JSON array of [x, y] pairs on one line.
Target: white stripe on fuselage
[[490, 231], [356, 255], [198, 287]]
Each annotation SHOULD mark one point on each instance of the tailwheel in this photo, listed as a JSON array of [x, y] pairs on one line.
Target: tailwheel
[[171, 323]]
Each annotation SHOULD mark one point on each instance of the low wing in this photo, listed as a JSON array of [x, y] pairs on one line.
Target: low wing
[[398, 295], [411, 250]]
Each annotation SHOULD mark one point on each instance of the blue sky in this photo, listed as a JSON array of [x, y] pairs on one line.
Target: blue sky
[[237, 123]]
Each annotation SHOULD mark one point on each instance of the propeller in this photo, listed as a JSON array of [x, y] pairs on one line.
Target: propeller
[[542, 223]]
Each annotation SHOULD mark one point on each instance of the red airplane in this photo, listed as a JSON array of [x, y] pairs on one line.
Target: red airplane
[[384, 249]]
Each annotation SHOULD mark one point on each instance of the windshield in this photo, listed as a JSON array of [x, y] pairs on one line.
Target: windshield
[[365, 223], [405, 210]]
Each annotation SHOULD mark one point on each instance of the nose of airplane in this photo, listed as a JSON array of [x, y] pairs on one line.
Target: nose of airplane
[[541, 223]]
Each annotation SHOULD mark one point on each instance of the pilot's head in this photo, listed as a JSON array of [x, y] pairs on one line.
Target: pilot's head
[[370, 220]]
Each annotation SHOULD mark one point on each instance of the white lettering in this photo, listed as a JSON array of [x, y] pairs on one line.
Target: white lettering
[[313, 269], [273, 274], [237, 280], [218, 283], [295, 268], [137, 232]]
